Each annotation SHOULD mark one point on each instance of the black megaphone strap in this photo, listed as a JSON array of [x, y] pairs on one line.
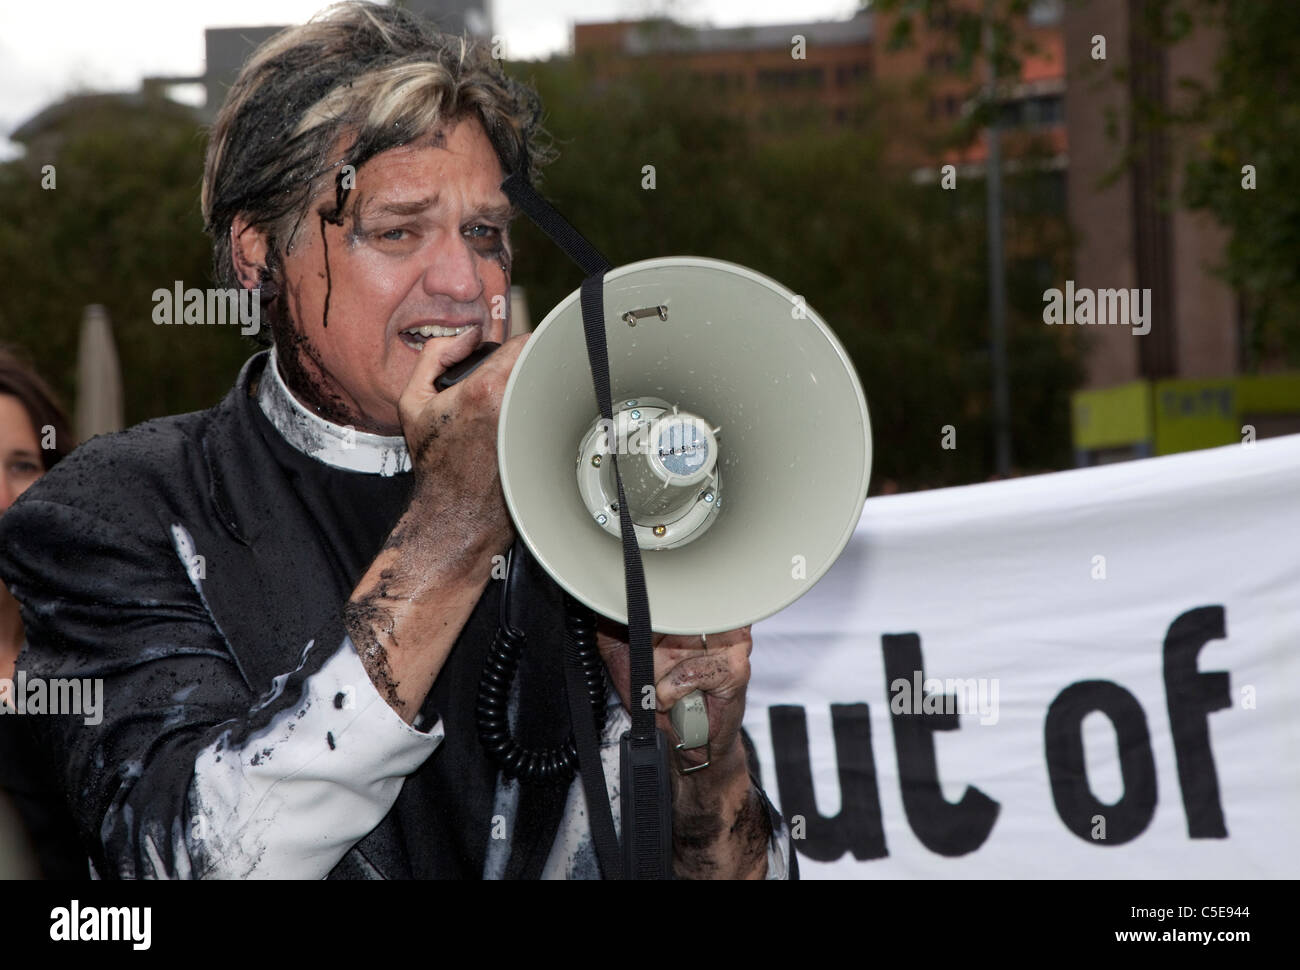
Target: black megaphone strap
[[645, 852]]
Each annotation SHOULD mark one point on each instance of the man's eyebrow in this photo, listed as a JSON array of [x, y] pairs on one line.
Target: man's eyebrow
[[499, 213], [23, 453], [402, 208]]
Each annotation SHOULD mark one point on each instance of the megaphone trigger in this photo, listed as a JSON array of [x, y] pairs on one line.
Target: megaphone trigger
[[690, 719]]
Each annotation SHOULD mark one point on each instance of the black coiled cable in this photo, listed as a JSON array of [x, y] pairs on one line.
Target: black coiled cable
[[558, 762]]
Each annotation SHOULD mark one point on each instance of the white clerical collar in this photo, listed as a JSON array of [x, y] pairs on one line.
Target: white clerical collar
[[333, 444]]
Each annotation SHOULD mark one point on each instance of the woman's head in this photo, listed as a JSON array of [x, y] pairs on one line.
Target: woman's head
[[34, 431]]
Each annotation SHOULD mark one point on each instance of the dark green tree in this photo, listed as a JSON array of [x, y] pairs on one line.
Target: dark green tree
[[122, 221], [1241, 136], [1245, 114]]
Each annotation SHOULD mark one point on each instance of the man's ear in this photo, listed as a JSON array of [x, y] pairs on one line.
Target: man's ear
[[248, 251]]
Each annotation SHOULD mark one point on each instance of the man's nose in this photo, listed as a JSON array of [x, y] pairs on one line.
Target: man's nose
[[454, 270]]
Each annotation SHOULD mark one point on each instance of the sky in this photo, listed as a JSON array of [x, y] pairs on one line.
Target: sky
[[47, 52]]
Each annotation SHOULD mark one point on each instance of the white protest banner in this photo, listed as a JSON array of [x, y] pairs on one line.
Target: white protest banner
[[1092, 673]]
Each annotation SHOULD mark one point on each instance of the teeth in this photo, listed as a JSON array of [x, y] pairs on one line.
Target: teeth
[[437, 331]]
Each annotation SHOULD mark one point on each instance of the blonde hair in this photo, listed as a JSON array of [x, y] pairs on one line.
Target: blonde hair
[[372, 74]]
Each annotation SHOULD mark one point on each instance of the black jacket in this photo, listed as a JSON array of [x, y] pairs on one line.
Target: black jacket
[[90, 554]]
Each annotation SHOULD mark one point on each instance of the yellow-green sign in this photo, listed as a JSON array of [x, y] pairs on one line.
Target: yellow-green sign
[[1179, 415]]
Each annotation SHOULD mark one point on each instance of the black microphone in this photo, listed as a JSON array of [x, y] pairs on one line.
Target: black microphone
[[462, 369]]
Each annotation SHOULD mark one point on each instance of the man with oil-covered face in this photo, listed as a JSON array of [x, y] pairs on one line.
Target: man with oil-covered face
[[290, 596], [419, 255]]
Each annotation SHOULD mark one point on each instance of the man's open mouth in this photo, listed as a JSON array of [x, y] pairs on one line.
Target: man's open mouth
[[417, 337]]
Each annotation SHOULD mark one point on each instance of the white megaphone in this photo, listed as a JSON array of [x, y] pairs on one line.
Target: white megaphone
[[742, 437], [739, 435]]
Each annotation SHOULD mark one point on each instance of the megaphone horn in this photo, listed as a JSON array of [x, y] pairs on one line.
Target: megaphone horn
[[740, 430]]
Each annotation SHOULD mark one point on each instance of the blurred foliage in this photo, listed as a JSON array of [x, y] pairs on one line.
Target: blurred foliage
[[898, 269], [1248, 114], [973, 24], [122, 221]]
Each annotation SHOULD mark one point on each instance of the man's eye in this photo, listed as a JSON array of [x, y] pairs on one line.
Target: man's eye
[[393, 235], [489, 232]]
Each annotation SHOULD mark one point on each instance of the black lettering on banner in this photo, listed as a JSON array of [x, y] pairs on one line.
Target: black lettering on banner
[[1191, 696], [857, 828], [1063, 732], [943, 828]]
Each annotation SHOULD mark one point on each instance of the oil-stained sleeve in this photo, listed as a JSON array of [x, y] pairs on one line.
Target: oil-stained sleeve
[[186, 771]]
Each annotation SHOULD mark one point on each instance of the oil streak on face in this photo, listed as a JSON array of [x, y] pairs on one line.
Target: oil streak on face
[[336, 219]]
